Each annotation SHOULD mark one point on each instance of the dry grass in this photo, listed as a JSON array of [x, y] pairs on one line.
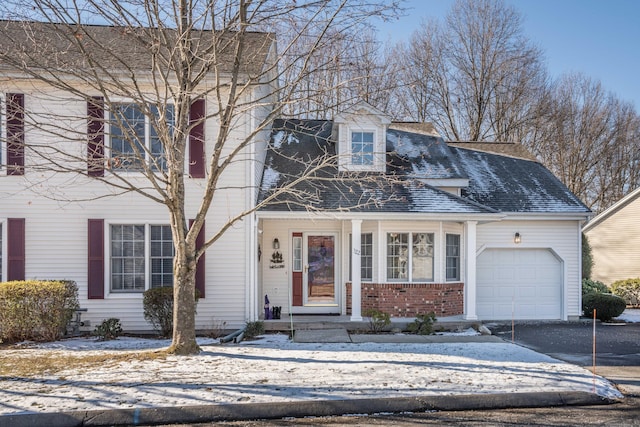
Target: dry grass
[[27, 363]]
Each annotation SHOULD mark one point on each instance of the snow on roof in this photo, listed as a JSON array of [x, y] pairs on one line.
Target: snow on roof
[[497, 182], [509, 184], [270, 178]]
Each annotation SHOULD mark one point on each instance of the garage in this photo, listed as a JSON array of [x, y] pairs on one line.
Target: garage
[[525, 282]]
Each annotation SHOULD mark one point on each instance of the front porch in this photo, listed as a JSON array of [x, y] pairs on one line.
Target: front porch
[[345, 266]]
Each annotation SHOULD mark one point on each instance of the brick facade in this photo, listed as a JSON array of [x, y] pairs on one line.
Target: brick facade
[[411, 299]]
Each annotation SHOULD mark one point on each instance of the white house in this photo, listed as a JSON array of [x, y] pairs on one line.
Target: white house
[[614, 236], [406, 223], [391, 217], [117, 244]]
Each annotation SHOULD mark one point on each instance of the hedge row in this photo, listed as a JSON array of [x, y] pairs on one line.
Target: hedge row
[[36, 310], [629, 290]]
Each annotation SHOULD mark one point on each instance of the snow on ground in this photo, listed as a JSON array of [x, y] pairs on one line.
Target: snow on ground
[[273, 369], [630, 315]]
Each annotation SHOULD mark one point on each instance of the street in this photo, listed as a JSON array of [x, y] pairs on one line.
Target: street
[[621, 414]]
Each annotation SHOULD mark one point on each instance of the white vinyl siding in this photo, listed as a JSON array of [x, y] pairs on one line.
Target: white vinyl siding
[[48, 220]]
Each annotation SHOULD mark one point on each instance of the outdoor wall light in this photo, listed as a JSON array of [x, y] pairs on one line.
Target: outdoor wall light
[[516, 238], [276, 243]]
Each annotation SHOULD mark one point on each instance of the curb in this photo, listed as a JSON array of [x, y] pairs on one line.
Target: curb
[[318, 408]]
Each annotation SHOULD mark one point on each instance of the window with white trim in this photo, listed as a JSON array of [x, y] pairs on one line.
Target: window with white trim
[[362, 148], [133, 136], [297, 253], [410, 257], [366, 256], [141, 257], [453, 257], [162, 251]]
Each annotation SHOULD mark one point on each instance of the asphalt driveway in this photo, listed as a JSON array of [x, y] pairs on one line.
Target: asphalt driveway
[[617, 346]]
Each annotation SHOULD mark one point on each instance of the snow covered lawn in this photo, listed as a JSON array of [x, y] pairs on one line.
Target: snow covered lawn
[[130, 373]]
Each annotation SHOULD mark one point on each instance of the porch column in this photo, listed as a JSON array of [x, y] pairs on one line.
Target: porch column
[[356, 298], [470, 271]]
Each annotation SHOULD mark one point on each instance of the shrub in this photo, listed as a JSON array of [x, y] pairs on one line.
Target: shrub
[[158, 309], [423, 325], [253, 329], [109, 329], [629, 290], [36, 310], [593, 286], [587, 257], [378, 320], [218, 328], [607, 306]]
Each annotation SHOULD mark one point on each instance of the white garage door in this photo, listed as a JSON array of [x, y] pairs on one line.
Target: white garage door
[[525, 281]]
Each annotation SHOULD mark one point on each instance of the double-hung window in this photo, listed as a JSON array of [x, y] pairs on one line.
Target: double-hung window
[[366, 256], [134, 136], [453, 257], [162, 252], [362, 148], [141, 257], [410, 257]]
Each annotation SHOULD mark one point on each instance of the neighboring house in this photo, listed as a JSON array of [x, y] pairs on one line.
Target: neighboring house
[[406, 223], [614, 236]]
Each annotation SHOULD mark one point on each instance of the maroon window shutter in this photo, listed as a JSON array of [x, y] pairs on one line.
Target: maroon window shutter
[[15, 134], [96, 259], [197, 116], [15, 249], [200, 267], [95, 136]]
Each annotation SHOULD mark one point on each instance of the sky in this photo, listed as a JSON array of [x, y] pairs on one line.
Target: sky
[[600, 38]]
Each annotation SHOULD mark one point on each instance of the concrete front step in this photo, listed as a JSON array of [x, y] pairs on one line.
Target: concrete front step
[[343, 322]]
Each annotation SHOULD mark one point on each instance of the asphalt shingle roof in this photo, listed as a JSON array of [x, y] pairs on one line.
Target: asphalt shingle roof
[[60, 47], [509, 184], [497, 183]]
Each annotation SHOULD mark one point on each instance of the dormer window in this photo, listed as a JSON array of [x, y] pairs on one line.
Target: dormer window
[[361, 136], [362, 148]]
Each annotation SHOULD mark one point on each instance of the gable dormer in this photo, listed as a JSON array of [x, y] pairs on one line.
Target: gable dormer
[[361, 139]]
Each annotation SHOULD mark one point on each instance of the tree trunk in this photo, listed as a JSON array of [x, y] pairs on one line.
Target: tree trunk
[[184, 303]]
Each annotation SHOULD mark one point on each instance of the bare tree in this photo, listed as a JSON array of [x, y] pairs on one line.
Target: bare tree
[[475, 76], [588, 138], [347, 68], [163, 56]]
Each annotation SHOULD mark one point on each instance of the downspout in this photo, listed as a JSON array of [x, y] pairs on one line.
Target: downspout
[[251, 305]]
